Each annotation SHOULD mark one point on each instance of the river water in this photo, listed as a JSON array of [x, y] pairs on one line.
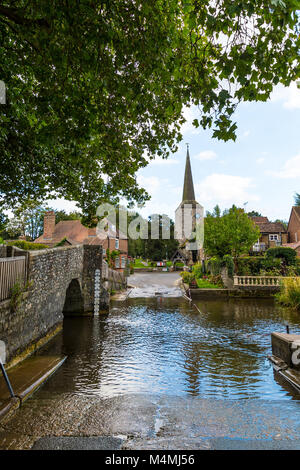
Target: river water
[[165, 375], [164, 345]]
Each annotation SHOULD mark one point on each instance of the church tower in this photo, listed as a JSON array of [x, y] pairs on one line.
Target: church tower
[[189, 222]]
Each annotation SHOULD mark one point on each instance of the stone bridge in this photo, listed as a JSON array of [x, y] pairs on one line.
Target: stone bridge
[[60, 281]]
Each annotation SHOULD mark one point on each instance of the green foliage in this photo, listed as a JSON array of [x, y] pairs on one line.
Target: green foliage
[[254, 214], [94, 86], [24, 245], [16, 294], [288, 255], [197, 270], [1, 241], [204, 284], [154, 249], [214, 265], [289, 294], [61, 243], [228, 262], [232, 233], [187, 277], [28, 218], [297, 199], [257, 265], [63, 215]]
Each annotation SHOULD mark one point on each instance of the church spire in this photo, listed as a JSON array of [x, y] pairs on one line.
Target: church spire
[[188, 187]]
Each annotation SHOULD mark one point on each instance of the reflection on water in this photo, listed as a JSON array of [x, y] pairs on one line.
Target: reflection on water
[[164, 345]]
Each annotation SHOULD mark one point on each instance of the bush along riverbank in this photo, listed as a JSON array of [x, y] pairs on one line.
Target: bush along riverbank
[[197, 278], [289, 294]]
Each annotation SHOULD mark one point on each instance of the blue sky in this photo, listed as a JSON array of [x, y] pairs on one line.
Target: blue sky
[[261, 168]]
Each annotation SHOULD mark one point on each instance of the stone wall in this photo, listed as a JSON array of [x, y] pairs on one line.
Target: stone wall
[[59, 281]]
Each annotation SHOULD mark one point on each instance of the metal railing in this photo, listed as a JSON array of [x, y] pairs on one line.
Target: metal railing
[[11, 270]]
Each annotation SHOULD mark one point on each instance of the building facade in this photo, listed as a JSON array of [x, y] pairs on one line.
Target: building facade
[[272, 234], [72, 232]]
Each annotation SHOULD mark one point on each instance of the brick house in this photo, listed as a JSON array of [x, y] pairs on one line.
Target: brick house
[[74, 233], [271, 234], [294, 230]]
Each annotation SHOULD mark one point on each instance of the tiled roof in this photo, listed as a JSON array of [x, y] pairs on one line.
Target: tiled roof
[[268, 227], [76, 233], [259, 219]]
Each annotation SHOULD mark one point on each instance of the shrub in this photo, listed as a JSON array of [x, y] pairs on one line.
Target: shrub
[[214, 265], [287, 254], [255, 266], [289, 294], [227, 262], [187, 277], [61, 243], [197, 270], [24, 245]]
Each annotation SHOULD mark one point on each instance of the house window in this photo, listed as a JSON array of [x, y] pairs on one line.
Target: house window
[[123, 262], [273, 237], [117, 244], [117, 262], [104, 251]]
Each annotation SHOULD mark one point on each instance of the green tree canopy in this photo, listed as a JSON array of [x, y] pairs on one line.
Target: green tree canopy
[[63, 215], [297, 199], [95, 89], [232, 233]]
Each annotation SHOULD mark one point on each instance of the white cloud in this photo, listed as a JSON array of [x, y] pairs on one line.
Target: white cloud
[[225, 190], [150, 183], [291, 169], [62, 204], [260, 161], [205, 155], [245, 133], [290, 96]]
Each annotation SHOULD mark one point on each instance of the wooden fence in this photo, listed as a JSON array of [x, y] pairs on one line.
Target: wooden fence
[[11, 270], [259, 281]]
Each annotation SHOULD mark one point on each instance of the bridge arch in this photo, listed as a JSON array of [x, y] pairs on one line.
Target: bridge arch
[[74, 303]]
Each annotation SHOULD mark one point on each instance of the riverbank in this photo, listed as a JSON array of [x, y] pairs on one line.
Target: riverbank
[[25, 379]]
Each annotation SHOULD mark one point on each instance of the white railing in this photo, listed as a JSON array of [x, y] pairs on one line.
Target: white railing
[[11, 270], [262, 281]]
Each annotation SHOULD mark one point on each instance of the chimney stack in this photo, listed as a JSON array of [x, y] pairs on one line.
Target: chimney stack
[[49, 224]]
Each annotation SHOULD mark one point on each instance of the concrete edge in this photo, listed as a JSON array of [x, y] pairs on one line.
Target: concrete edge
[[15, 403]]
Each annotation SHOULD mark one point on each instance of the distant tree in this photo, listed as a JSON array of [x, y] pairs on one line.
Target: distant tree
[[3, 221], [283, 222], [233, 233], [254, 214], [63, 215], [27, 220], [297, 199]]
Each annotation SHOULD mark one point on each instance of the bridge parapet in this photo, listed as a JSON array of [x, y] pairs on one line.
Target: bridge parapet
[[59, 281]]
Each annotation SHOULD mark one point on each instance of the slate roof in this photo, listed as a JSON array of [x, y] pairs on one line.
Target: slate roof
[[188, 185]]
